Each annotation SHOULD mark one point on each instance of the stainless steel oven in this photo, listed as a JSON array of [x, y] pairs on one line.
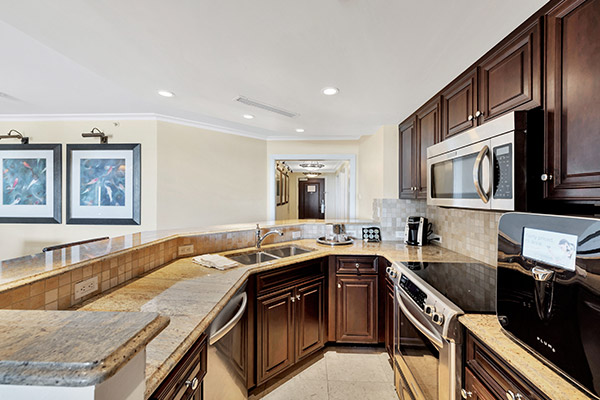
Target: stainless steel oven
[[482, 168]]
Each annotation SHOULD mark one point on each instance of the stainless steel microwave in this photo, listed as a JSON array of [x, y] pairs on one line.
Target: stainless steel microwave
[[482, 168]]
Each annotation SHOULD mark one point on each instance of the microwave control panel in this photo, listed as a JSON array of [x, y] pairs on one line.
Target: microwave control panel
[[503, 166]]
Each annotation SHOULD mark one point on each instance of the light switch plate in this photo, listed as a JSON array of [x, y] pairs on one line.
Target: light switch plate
[[186, 250], [86, 287]]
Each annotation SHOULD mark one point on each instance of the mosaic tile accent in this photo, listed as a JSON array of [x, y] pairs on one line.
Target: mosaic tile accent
[[469, 232]]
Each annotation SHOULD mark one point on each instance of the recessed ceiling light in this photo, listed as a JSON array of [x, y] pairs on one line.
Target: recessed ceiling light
[[166, 93], [248, 116], [330, 91], [299, 130]]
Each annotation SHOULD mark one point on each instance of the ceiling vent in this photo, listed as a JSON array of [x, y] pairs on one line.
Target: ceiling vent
[[267, 107]]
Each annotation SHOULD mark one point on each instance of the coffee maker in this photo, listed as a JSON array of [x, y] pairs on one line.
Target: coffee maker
[[417, 230]]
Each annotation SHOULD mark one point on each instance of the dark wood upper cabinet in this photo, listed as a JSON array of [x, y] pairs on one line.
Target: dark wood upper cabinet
[[459, 105], [572, 164], [356, 309], [310, 318], [510, 77], [407, 174], [427, 128], [275, 334]]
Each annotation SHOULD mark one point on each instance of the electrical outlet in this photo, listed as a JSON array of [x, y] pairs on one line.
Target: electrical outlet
[[400, 235], [435, 238], [296, 235], [86, 287], [186, 250]]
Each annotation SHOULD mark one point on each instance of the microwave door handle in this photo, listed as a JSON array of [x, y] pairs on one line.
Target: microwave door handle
[[476, 173], [430, 335]]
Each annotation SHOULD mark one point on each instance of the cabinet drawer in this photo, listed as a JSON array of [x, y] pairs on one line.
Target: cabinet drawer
[[495, 374], [185, 381], [287, 276], [356, 265]]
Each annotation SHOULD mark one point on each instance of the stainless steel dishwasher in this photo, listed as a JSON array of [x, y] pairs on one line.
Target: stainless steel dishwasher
[[223, 379]]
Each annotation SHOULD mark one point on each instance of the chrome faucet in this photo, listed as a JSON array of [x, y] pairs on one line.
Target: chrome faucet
[[259, 239]]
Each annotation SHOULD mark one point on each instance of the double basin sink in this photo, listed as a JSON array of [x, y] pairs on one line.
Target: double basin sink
[[259, 256]]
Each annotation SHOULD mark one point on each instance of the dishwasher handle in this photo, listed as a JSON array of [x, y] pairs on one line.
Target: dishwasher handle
[[225, 329]]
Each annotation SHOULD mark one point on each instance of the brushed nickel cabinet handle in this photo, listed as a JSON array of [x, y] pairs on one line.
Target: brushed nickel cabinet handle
[[192, 384], [465, 394], [470, 118], [546, 177], [298, 297], [293, 299], [339, 285], [478, 114]]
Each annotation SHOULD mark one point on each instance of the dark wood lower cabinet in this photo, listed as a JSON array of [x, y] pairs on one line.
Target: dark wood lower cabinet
[[356, 309], [488, 375], [185, 381], [310, 318], [275, 334], [389, 317]]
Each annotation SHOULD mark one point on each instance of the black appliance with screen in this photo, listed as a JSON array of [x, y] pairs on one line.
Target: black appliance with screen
[[548, 291]]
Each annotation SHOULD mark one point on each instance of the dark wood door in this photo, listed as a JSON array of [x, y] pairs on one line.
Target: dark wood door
[[510, 78], [275, 334], [459, 105], [427, 129], [311, 199], [572, 101], [310, 318], [356, 309], [407, 174], [475, 389]]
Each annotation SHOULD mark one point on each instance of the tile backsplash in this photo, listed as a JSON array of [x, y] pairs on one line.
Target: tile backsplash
[[470, 232]]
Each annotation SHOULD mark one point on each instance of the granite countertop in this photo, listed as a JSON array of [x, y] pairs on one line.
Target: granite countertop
[[192, 295], [27, 269], [67, 348], [488, 330]]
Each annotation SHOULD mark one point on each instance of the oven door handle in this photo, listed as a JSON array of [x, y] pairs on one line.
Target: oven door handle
[[429, 334], [476, 172]]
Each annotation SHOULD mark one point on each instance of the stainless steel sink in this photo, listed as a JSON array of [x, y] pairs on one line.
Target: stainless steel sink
[[252, 258], [255, 257], [287, 251]]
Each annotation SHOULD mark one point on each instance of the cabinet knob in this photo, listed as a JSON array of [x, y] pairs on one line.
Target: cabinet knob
[[192, 384], [478, 114], [357, 265], [470, 118], [513, 396], [293, 299], [546, 177], [465, 394], [298, 297], [339, 285]]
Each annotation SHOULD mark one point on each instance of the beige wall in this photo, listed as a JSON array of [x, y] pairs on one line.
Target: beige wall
[[23, 239], [377, 169], [209, 178]]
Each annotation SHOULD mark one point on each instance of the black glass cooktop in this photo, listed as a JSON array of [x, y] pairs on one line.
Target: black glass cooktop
[[471, 286]]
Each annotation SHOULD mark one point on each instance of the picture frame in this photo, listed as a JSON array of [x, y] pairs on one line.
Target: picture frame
[[31, 191], [104, 184], [278, 192]]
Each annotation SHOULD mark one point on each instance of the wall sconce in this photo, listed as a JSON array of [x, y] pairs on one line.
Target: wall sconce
[[15, 134], [95, 132]]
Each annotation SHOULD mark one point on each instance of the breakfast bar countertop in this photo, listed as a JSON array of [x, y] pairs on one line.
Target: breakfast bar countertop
[[192, 295], [67, 348]]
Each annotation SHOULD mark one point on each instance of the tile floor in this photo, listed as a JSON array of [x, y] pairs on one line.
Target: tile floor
[[336, 373]]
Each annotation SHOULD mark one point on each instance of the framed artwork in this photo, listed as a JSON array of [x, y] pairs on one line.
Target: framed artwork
[[31, 183], [103, 184], [278, 197]]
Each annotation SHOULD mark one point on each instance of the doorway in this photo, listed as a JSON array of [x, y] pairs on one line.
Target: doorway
[[311, 199]]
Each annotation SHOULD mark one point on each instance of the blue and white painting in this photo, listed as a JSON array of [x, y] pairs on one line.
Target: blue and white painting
[[24, 181], [102, 182]]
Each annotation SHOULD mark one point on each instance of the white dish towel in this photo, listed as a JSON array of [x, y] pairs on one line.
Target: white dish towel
[[215, 261]]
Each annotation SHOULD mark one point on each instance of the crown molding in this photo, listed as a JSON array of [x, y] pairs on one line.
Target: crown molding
[[165, 118]]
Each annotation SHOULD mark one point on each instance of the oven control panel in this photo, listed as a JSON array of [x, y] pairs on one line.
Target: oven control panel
[[413, 291]]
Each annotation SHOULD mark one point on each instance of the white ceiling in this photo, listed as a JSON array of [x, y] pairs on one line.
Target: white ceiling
[[387, 57], [330, 166]]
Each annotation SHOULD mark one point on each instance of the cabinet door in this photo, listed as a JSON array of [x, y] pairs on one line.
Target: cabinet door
[[275, 334], [389, 317], [573, 101], [356, 311], [310, 318], [510, 78], [475, 389], [407, 172], [427, 129], [459, 104]]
